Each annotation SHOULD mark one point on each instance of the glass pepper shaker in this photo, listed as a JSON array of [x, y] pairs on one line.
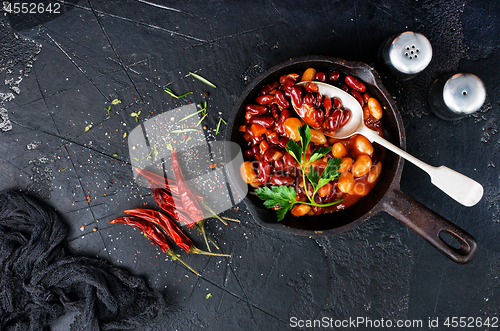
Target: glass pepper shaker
[[454, 96], [406, 54]]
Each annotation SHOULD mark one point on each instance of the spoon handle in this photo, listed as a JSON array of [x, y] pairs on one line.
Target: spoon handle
[[460, 187]]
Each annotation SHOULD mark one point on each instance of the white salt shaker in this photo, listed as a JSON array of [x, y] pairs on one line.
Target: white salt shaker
[[406, 54], [454, 96]]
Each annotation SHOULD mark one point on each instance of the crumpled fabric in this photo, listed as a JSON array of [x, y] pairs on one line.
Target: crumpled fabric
[[40, 280]]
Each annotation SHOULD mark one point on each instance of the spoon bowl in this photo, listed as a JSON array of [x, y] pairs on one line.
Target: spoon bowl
[[458, 186], [355, 122]]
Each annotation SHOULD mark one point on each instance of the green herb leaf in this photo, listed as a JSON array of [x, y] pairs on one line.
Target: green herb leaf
[[136, 158], [87, 128], [204, 80], [172, 94], [108, 109], [201, 119], [319, 153], [282, 197], [116, 101], [313, 177], [221, 120], [136, 115], [305, 137], [331, 172], [124, 135], [294, 149], [169, 147], [115, 155], [208, 296], [190, 115]]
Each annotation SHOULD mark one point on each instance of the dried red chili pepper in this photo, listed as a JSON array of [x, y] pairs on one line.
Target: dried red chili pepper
[[162, 182], [189, 202], [154, 234], [172, 230], [168, 204]]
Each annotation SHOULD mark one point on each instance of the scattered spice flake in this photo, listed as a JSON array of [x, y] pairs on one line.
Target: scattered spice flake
[[212, 166], [88, 198], [82, 228], [172, 94], [204, 80], [64, 168], [94, 229]]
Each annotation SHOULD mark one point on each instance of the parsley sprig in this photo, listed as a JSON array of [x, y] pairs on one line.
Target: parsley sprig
[[282, 198]]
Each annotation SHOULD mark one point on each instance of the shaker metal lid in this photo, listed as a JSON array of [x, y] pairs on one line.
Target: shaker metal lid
[[464, 93], [410, 52]]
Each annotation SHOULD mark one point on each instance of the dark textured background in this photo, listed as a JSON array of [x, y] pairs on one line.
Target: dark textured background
[[62, 71]]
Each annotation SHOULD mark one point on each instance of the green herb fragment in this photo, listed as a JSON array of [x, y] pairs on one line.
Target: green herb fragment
[[136, 158], [124, 135], [115, 155], [169, 147], [87, 128], [116, 102], [221, 120], [185, 130], [208, 296], [155, 151], [204, 80], [136, 115], [108, 109], [201, 119], [190, 115], [172, 94], [188, 139]]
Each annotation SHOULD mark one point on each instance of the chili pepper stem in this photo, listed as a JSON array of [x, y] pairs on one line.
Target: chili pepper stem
[[194, 250], [213, 213], [200, 227], [213, 243], [231, 219], [176, 257]]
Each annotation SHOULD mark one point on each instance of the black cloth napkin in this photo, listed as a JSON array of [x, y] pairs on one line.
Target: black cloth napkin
[[40, 280]]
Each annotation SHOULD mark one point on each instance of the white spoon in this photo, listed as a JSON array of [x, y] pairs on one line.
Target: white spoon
[[461, 188]]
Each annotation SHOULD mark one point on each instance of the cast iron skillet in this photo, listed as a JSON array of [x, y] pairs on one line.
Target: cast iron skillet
[[385, 196]]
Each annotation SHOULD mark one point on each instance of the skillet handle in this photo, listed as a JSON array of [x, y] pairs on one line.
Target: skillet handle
[[429, 225]]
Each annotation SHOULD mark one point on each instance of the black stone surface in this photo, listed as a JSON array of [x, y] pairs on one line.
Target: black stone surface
[[63, 70]]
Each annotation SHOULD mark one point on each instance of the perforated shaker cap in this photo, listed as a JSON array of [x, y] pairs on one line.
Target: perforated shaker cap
[[410, 52], [464, 93]]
